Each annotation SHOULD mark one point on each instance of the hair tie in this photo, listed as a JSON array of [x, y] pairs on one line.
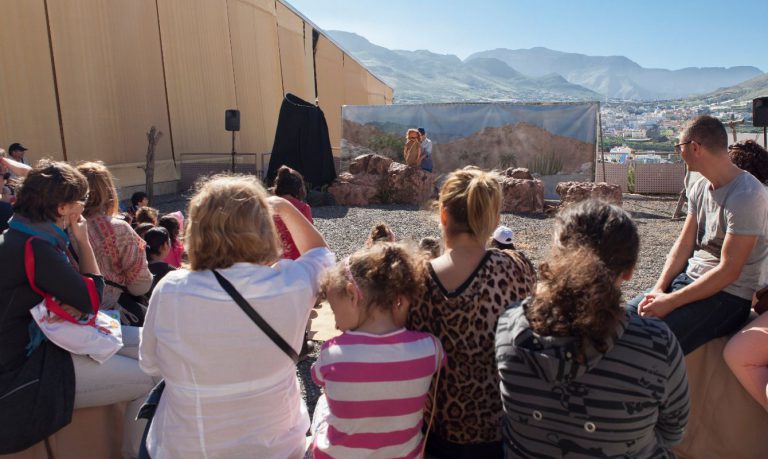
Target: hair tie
[[351, 278]]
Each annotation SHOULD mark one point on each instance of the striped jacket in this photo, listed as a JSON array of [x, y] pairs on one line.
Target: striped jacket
[[631, 401]]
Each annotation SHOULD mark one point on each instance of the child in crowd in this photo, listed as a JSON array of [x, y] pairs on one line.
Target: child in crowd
[[176, 253], [289, 184], [380, 233], [142, 228], [158, 247], [146, 215], [503, 238], [431, 246], [377, 374]]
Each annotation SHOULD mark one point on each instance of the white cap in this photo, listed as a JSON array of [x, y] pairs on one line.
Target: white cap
[[504, 235]]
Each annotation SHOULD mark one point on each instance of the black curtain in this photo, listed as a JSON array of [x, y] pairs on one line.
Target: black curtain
[[302, 143]]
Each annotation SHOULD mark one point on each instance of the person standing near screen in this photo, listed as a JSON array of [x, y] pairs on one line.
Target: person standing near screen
[[426, 151]]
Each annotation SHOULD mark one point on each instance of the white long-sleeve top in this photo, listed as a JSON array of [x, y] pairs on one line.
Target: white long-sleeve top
[[230, 391]]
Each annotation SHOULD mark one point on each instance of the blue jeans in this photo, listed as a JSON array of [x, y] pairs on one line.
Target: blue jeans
[[697, 323]]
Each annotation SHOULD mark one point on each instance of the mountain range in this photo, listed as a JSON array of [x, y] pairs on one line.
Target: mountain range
[[423, 76], [619, 77], [742, 92], [536, 74]]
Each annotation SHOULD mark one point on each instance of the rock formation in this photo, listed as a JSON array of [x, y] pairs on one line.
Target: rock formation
[[571, 192], [522, 192], [375, 179]]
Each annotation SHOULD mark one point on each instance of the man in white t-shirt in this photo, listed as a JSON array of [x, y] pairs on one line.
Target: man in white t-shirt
[[426, 151], [705, 290]]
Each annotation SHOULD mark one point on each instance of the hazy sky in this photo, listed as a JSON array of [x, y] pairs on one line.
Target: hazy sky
[[668, 34]]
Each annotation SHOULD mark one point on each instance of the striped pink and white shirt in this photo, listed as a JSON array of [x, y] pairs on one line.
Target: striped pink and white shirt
[[376, 387]]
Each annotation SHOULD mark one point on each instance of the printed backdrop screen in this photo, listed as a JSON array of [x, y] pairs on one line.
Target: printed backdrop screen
[[558, 142]]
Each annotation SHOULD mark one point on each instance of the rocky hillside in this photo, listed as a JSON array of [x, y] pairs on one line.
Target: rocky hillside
[[517, 145], [743, 92]]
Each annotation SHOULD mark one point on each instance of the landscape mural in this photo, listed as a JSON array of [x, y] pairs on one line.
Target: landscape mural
[[555, 141]]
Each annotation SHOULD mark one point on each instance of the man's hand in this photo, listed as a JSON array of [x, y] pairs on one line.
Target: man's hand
[[656, 304]]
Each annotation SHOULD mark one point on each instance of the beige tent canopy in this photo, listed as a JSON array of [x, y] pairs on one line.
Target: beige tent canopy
[[85, 79]]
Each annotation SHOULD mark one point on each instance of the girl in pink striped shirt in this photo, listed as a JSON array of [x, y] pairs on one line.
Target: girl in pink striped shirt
[[377, 374]]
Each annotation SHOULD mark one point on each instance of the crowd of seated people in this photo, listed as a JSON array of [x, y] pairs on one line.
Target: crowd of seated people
[[454, 347]]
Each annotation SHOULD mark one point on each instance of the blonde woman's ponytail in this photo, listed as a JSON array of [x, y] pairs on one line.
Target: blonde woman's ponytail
[[483, 204]]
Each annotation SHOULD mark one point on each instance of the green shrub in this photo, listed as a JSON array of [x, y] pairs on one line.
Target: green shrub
[[390, 145]]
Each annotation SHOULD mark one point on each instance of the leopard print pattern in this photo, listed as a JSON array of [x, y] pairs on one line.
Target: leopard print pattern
[[469, 408]]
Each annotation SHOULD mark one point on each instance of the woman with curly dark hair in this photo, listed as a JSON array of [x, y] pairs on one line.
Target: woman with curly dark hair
[[751, 157], [579, 374]]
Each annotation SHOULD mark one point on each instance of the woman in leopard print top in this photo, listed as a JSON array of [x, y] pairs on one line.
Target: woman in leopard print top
[[468, 288]]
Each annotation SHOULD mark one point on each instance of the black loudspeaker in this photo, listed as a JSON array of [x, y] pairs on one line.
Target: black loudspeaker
[[760, 112], [232, 120]]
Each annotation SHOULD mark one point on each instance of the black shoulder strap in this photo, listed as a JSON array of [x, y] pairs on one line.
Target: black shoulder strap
[[122, 288], [255, 317]]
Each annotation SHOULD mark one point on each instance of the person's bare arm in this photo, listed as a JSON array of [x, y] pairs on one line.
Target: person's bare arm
[[304, 234], [678, 257], [16, 167], [734, 255]]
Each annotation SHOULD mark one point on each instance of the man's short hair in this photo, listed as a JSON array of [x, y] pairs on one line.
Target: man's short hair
[[421, 131], [709, 132]]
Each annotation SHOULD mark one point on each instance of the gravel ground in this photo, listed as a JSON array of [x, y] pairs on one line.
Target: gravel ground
[[346, 229]]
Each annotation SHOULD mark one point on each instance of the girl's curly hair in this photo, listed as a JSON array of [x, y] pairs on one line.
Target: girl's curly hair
[[383, 271], [751, 157], [577, 293]]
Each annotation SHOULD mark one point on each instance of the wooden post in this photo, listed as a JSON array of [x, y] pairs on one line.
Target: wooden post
[[153, 136], [732, 124]]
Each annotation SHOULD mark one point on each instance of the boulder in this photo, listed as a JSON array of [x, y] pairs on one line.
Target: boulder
[[409, 185], [355, 190], [571, 192], [375, 179], [370, 164], [522, 195], [518, 173]]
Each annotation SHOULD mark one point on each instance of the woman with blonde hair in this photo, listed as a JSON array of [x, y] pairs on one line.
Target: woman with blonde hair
[[230, 390], [412, 154], [120, 252], [468, 287]]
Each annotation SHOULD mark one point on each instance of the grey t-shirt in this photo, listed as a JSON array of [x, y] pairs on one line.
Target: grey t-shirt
[[740, 208]]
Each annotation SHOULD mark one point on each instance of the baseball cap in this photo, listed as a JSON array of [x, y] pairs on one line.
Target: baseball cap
[[16, 147], [421, 131], [503, 235]]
